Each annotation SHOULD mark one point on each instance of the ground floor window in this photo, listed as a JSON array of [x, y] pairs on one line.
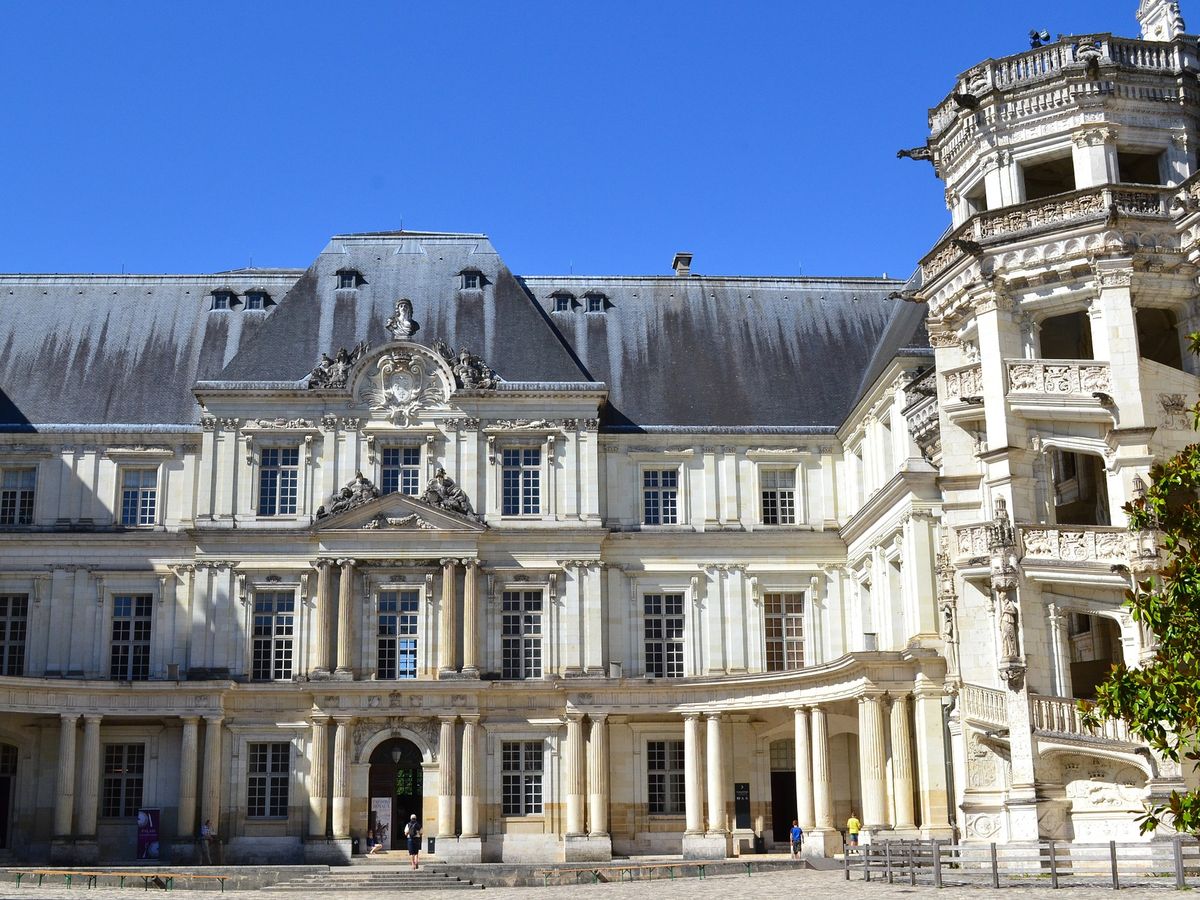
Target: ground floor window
[[124, 773], [665, 777], [522, 778], [267, 791]]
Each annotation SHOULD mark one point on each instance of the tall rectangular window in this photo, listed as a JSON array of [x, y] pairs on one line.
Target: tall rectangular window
[[16, 496], [274, 633], [521, 634], [664, 634], [14, 624], [778, 496], [660, 497], [400, 471], [278, 478], [130, 659], [139, 496], [665, 777], [268, 769], [521, 776], [785, 631], [398, 634], [124, 772], [521, 484]]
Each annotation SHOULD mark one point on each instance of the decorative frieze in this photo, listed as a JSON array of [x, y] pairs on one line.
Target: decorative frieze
[[1057, 377], [963, 382], [1078, 543]]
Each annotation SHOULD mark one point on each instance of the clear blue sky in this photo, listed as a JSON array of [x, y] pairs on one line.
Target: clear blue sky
[[193, 137]]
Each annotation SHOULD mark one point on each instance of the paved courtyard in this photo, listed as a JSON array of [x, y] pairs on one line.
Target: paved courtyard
[[805, 884]]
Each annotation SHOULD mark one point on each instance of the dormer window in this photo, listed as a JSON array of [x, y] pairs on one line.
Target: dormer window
[[470, 280], [595, 303], [223, 299], [561, 302], [348, 279], [257, 299]]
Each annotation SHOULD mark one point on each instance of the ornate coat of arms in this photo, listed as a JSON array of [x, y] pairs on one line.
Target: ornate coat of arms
[[403, 383]]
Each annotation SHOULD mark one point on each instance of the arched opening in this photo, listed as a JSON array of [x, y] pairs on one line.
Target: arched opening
[[1073, 489], [783, 788], [1095, 643], [394, 788], [1158, 337], [8, 780], [1068, 336]]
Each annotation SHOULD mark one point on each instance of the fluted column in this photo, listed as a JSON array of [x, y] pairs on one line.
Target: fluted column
[[210, 807], [597, 777], [471, 617], [573, 787], [445, 825], [318, 778], [470, 774], [872, 761], [341, 778], [902, 769], [189, 755], [345, 643], [822, 790], [446, 618], [804, 779], [716, 776], [89, 783], [693, 788], [324, 618], [64, 801]]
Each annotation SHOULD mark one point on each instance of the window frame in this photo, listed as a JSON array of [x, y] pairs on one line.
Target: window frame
[[127, 803], [594, 302], [782, 520], [275, 511], [402, 469], [516, 804], [223, 300], [525, 644], [256, 300], [263, 774], [467, 276], [406, 629], [132, 652], [785, 641], [674, 791], [666, 668], [644, 473], [13, 650], [353, 275], [526, 473], [139, 511], [18, 510], [562, 302], [266, 649]]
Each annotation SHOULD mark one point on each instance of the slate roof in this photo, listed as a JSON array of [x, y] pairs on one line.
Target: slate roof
[[697, 351]]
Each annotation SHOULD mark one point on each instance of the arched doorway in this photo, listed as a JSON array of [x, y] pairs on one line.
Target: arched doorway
[[394, 788], [8, 779]]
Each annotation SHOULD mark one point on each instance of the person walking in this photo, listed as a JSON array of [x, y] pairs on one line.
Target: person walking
[[412, 834], [853, 827], [797, 837], [208, 835]]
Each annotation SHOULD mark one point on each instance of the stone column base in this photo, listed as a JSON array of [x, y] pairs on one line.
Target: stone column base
[[327, 851], [821, 843], [459, 849], [587, 848], [714, 845], [937, 833], [872, 833]]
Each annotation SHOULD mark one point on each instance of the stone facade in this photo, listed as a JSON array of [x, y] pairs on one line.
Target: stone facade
[[564, 569]]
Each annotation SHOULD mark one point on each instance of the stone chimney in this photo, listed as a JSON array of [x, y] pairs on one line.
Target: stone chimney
[[682, 264]]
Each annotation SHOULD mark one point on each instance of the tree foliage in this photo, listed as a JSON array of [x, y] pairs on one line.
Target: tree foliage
[[1161, 699]]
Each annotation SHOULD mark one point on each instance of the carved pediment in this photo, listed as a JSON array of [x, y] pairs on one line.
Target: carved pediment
[[396, 512]]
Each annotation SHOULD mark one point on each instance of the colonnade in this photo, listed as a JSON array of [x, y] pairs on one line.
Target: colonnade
[[343, 665]]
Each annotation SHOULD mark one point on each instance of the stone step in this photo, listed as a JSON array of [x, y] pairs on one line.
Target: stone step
[[400, 880]]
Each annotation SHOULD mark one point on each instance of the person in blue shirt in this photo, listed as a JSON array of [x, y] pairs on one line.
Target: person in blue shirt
[[797, 837]]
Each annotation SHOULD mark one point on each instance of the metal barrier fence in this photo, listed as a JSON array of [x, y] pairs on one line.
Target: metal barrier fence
[[945, 864]]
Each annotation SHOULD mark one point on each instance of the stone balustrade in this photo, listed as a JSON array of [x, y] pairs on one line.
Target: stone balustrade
[[1057, 377], [982, 705], [962, 382], [1060, 715], [971, 541], [1075, 543]]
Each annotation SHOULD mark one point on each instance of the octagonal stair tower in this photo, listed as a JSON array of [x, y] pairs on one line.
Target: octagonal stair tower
[[1059, 304]]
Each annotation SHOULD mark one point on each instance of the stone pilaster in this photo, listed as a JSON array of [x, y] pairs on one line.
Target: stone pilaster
[[902, 767], [318, 778], [345, 638], [323, 620], [341, 777], [446, 618], [446, 792], [470, 774], [471, 618]]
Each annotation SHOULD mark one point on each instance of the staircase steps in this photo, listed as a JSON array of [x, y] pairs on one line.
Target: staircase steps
[[347, 880]]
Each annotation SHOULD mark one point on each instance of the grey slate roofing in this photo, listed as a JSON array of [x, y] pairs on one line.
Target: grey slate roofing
[[698, 351]]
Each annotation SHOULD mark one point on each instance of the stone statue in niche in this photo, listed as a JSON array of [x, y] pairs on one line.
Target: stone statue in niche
[[470, 372], [335, 372], [1009, 615], [355, 494], [401, 322], [444, 493]]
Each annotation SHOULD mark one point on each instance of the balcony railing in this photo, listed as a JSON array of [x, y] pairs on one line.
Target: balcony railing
[[986, 706], [1060, 715], [1057, 377], [1099, 544], [964, 381], [971, 541]]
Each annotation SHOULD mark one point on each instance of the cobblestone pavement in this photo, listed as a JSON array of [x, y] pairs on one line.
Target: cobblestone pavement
[[787, 885]]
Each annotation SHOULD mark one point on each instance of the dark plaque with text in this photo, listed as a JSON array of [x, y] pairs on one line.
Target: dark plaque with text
[[741, 804]]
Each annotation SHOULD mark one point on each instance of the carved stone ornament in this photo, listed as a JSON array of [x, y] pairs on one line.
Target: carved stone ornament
[[401, 323], [403, 383], [470, 372], [412, 521], [335, 372], [355, 494], [443, 493]]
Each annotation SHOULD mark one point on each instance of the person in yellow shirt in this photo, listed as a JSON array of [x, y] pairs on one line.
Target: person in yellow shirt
[[853, 827]]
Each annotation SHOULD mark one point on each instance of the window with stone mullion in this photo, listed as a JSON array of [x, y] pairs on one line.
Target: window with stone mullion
[[664, 634], [665, 777], [784, 616], [521, 778], [400, 471], [273, 635], [16, 496], [278, 481], [267, 787], [521, 481], [778, 496], [124, 772], [139, 496], [397, 630], [521, 634], [131, 629], [660, 497], [14, 625]]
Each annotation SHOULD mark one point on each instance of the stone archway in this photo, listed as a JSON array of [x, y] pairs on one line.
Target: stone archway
[[395, 788]]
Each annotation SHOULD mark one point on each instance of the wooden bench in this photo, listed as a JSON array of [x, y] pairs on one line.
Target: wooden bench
[[162, 880], [630, 870]]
